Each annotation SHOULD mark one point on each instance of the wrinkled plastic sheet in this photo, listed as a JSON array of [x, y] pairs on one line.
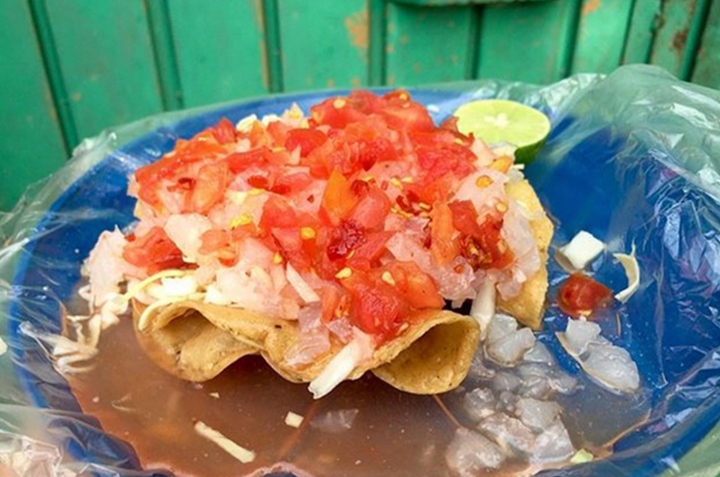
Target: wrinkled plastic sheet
[[633, 158]]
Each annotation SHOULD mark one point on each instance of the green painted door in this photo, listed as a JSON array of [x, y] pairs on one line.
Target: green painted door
[[74, 67]]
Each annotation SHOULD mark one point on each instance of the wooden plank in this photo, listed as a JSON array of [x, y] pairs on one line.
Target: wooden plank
[[428, 45], [675, 40], [107, 61], [164, 49], [31, 143], [324, 43], [643, 23], [529, 42], [707, 67], [377, 32], [601, 34], [220, 49]]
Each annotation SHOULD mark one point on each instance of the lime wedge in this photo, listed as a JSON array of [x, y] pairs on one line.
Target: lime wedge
[[498, 121]]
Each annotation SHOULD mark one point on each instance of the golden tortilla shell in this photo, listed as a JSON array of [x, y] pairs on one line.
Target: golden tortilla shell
[[196, 341], [528, 306]]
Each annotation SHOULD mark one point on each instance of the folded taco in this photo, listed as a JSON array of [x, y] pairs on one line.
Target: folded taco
[[331, 245]]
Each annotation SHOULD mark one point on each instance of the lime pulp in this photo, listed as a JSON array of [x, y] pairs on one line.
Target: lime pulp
[[498, 121]]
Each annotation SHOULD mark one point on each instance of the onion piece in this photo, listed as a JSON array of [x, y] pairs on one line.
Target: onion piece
[[293, 420], [246, 123], [341, 365], [3, 347], [632, 271], [483, 306], [240, 453], [581, 250], [300, 285]]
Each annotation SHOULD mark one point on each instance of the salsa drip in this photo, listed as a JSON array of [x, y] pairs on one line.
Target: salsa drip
[[325, 196]]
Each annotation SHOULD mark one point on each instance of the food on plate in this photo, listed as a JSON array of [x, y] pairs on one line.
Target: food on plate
[[500, 121], [328, 244]]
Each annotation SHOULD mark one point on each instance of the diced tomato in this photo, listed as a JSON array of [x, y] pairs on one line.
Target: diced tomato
[[277, 213], [442, 246], [239, 161], [415, 286], [439, 162], [465, 217], [278, 132], [482, 243], [334, 302], [371, 210], [372, 249], [376, 307], [258, 182], [378, 150], [295, 182], [209, 187], [581, 295], [153, 251], [338, 198], [336, 112], [306, 139], [408, 117], [220, 243], [224, 131], [343, 239]]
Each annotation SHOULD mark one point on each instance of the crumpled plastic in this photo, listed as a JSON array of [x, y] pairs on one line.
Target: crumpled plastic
[[633, 158]]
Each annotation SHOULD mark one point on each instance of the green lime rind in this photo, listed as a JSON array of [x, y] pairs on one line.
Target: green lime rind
[[498, 120]]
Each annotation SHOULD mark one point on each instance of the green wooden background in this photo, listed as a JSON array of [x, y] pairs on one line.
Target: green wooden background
[[70, 68]]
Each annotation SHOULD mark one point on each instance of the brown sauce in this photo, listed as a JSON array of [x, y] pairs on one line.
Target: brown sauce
[[391, 433]]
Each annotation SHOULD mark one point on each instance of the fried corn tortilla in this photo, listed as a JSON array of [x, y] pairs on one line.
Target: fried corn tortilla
[[196, 341], [528, 306]]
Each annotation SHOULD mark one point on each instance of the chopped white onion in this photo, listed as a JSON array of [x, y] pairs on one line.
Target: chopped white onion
[[582, 249], [245, 124], [270, 118], [293, 420], [341, 365], [3, 347], [300, 285], [180, 286], [483, 306], [632, 271], [240, 453]]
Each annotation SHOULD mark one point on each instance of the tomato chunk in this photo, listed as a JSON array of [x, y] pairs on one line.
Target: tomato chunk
[[376, 307], [581, 295], [153, 251]]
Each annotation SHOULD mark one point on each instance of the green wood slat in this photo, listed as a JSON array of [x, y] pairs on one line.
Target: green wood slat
[[707, 67], [162, 39], [378, 18], [271, 23], [324, 43], [220, 48], [674, 39], [428, 45], [529, 42], [643, 24], [31, 143], [601, 34], [107, 61]]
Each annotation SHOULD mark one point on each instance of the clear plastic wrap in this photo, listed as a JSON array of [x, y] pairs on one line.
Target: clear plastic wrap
[[633, 158]]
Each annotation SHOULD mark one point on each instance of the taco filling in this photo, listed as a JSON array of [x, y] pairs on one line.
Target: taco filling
[[329, 244]]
